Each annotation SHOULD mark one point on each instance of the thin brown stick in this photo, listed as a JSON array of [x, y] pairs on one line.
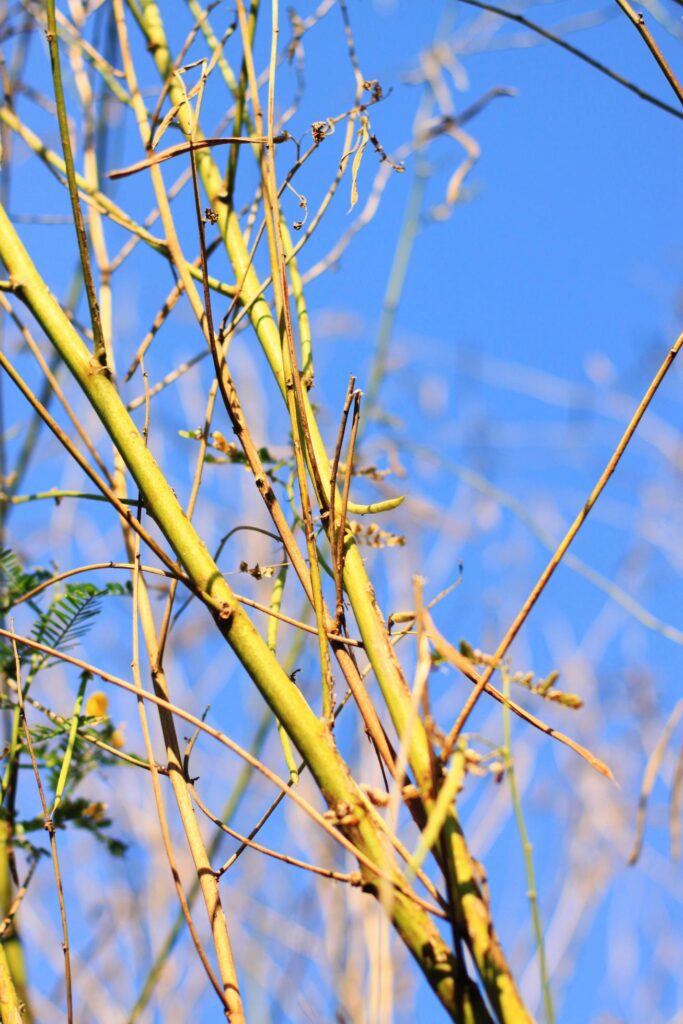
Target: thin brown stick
[[334, 470], [339, 533], [638, 19], [180, 577], [231, 745], [158, 798], [51, 830], [675, 807], [170, 378], [109, 494], [158, 322], [653, 765], [93, 566], [191, 147], [459, 661], [244, 844], [580, 519], [602, 68], [166, 621], [16, 902], [333, 636], [55, 385], [353, 878]]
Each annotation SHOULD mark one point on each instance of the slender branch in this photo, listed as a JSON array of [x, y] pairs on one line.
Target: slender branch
[[11, 912], [651, 769], [353, 878], [191, 147], [51, 830], [55, 387], [528, 851], [309, 735], [339, 531], [638, 19], [78, 458], [602, 68], [462, 664], [332, 830], [53, 42], [338, 580], [490, 959], [580, 519]]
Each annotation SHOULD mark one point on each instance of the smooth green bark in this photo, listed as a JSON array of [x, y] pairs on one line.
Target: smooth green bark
[[472, 911], [310, 736]]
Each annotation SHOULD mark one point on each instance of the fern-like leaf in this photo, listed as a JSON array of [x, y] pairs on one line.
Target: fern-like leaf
[[69, 617], [15, 581], [11, 570]]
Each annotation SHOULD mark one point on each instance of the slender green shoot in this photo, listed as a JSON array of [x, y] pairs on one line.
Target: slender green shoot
[[527, 848], [76, 722]]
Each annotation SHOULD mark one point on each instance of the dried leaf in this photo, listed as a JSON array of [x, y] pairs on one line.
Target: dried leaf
[[363, 137]]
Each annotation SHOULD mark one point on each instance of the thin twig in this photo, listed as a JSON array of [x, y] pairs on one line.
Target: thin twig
[[100, 348], [55, 385], [528, 851], [580, 519], [652, 767], [602, 68], [638, 19], [339, 532], [353, 878], [51, 830], [191, 147], [16, 902], [675, 807], [122, 510], [231, 745], [332, 524], [459, 661]]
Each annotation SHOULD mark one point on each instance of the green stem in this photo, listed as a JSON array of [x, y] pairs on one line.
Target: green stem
[[227, 815], [76, 721], [310, 736], [397, 277], [105, 204], [91, 292], [488, 954], [272, 631], [10, 1006], [56, 495], [528, 850]]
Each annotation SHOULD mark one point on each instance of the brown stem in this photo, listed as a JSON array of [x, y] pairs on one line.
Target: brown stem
[[552, 565]]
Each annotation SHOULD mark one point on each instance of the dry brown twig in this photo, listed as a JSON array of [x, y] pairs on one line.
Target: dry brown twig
[[580, 519]]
